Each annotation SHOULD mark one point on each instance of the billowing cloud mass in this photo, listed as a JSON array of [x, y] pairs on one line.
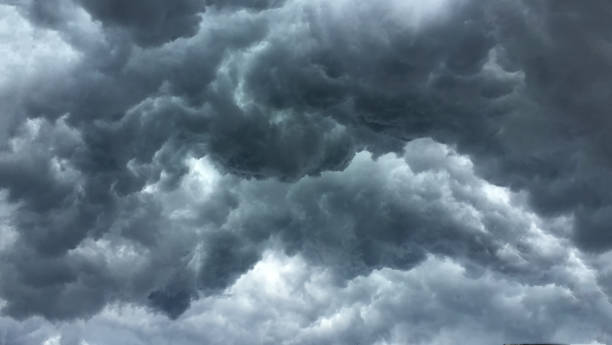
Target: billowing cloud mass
[[305, 172]]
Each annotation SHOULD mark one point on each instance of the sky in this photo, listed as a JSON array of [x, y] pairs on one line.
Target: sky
[[305, 172]]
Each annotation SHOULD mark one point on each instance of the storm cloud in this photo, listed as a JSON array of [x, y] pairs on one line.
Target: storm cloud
[[155, 155]]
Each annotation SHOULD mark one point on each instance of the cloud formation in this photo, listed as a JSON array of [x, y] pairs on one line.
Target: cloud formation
[[152, 152], [284, 300]]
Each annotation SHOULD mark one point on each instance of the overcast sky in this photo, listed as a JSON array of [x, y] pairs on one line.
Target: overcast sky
[[305, 172]]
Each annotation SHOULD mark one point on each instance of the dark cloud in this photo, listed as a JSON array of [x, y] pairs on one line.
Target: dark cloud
[[148, 23], [302, 112], [566, 166], [501, 81], [249, 4]]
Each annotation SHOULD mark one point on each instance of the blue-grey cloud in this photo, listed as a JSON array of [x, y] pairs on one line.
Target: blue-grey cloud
[[151, 152]]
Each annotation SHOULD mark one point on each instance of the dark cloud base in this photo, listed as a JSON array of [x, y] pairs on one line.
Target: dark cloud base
[[358, 135]]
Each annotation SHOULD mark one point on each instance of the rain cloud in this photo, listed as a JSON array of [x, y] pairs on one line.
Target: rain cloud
[[301, 172]]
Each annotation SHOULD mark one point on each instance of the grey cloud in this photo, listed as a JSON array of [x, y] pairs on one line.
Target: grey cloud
[[567, 172], [97, 174], [435, 303], [440, 207], [485, 78], [250, 4], [147, 23], [392, 212], [280, 101]]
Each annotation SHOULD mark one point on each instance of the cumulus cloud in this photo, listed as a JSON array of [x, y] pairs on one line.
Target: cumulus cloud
[[198, 238], [151, 152], [284, 300]]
